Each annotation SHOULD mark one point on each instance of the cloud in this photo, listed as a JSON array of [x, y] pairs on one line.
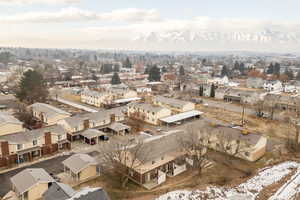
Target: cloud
[[30, 2], [75, 15]]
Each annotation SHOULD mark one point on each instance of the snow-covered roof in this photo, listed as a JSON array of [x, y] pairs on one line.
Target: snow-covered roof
[[181, 116], [127, 100]]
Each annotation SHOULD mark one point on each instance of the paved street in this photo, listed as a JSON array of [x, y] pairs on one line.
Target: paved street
[[235, 108], [51, 166]]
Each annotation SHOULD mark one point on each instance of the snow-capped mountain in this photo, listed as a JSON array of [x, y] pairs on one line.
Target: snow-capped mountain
[[264, 36]]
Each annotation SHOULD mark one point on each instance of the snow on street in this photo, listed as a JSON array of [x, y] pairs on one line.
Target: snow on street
[[249, 190]]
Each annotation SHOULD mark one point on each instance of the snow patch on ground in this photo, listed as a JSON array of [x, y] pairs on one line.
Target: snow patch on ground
[[248, 190]]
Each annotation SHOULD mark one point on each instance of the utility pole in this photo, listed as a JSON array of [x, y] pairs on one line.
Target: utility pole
[[243, 115]]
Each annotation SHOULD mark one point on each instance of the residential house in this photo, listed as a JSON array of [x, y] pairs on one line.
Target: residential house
[[283, 102], [9, 124], [94, 98], [121, 93], [249, 147], [48, 114], [147, 112], [60, 191], [159, 157], [80, 167], [273, 85], [290, 89], [175, 105], [255, 82], [243, 95], [26, 146], [31, 183], [76, 124], [220, 92]]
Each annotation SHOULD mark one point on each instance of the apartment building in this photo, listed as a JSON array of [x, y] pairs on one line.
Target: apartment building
[[175, 105], [9, 124], [48, 114], [29, 145], [147, 112]]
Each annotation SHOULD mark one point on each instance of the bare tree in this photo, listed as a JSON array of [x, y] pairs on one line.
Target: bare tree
[[259, 108], [136, 121], [195, 144], [123, 158], [232, 147]]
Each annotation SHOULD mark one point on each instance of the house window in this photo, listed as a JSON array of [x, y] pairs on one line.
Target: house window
[[34, 142], [59, 137], [20, 146]]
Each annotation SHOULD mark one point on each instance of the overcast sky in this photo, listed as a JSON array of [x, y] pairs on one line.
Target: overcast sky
[[120, 24]]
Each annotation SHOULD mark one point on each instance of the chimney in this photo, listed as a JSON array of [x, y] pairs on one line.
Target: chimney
[[48, 140], [4, 148]]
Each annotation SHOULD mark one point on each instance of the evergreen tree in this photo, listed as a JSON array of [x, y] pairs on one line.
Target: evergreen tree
[[94, 77], [127, 63], [212, 91], [115, 79], [270, 69], [181, 71], [32, 88], [163, 69], [106, 69], [201, 90], [224, 71], [116, 68], [154, 73], [242, 68], [147, 70], [276, 69], [236, 65]]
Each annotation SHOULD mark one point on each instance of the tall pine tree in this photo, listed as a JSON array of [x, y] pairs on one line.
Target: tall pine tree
[[154, 73], [32, 88], [115, 79]]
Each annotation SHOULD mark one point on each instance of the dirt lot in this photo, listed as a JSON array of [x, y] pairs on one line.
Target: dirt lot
[[271, 128]]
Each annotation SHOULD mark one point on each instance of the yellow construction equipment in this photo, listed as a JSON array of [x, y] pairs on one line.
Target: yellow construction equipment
[[245, 132]]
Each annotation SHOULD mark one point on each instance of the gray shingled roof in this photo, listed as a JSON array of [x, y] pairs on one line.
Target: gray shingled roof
[[91, 194], [78, 162], [59, 191], [8, 118], [147, 107], [48, 110], [93, 117], [30, 135], [158, 146], [171, 101], [92, 133], [27, 178], [118, 126]]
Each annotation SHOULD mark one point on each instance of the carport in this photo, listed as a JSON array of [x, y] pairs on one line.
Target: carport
[[119, 128], [91, 136], [181, 118]]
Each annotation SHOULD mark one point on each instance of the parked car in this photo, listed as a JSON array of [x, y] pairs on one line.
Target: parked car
[[104, 138]]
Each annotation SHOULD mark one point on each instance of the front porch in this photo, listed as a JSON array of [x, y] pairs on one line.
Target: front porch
[[28, 155], [154, 182]]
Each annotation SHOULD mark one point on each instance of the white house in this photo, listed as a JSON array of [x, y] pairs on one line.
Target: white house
[[273, 85]]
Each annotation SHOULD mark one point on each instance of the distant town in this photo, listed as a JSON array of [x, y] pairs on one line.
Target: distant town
[[88, 124]]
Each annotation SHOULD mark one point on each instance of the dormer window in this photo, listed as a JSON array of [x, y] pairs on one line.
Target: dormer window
[[34, 142], [20, 146]]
